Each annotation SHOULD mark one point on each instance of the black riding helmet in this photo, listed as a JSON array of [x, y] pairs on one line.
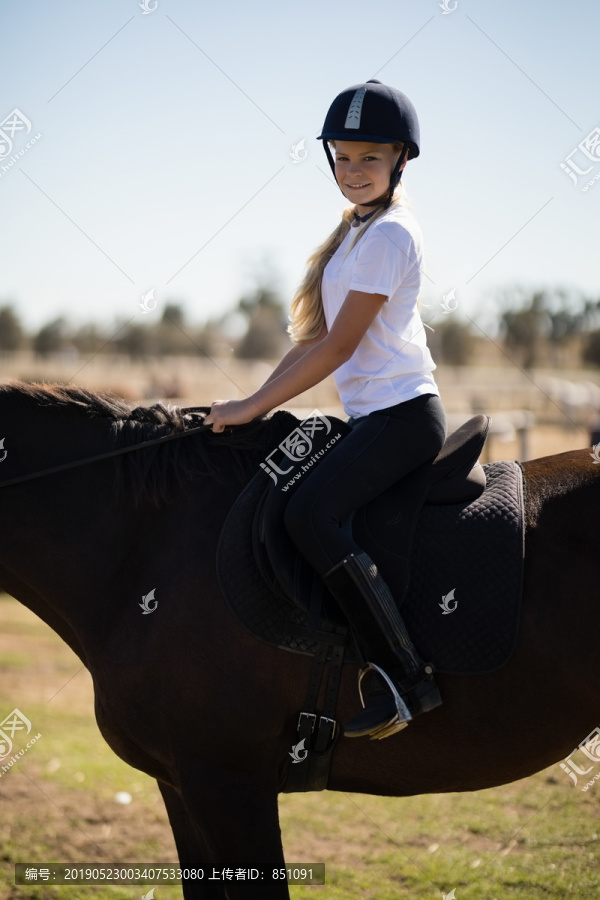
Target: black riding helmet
[[376, 113]]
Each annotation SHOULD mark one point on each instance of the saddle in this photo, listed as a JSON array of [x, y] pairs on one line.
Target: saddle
[[450, 531], [454, 476]]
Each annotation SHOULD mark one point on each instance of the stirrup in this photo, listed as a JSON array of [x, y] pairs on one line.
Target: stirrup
[[402, 716]]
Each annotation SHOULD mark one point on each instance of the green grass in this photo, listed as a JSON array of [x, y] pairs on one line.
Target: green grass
[[533, 840]]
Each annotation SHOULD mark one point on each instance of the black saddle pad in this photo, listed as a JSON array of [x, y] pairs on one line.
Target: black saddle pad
[[463, 602]]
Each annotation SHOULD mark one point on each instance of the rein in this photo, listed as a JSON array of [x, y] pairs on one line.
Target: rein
[[100, 456]]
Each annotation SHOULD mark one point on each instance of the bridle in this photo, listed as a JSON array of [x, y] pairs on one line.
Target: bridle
[[101, 456]]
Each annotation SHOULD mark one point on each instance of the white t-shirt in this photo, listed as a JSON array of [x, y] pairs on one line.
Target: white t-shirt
[[392, 363]]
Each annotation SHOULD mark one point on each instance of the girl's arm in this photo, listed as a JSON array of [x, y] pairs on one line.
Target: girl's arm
[[294, 354], [354, 318]]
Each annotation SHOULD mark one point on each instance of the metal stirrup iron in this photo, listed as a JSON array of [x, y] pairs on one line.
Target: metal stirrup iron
[[402, 717]]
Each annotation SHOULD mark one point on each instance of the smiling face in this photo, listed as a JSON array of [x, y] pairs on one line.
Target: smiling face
[[363, 170]]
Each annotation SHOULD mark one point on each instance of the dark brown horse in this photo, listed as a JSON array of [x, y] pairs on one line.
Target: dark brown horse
[[189, 697]]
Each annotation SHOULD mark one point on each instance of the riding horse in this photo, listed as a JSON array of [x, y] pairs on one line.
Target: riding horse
[[189, 696]]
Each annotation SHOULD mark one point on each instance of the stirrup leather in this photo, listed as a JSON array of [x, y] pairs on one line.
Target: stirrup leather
[[402, 716]]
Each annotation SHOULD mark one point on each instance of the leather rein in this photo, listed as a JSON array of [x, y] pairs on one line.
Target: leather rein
[[100, 456]]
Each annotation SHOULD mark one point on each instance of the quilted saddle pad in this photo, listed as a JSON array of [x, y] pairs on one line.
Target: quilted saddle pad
[[463, 601]]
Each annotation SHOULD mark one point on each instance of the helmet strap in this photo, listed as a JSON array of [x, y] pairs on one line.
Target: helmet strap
[[396, 175], [330, 159]]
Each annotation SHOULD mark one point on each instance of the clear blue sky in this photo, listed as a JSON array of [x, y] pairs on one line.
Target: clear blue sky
[[164, 158]]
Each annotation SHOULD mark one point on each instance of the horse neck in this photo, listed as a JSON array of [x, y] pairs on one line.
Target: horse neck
[[53, 526], [62, 550], [77, 555]]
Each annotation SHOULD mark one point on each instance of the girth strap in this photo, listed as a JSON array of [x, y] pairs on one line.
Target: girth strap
[[317, 728]]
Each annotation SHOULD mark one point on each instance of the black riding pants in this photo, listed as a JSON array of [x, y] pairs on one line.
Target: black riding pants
[[382, 448]]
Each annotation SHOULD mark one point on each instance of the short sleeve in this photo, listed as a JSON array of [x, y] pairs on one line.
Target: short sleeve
[[386, 255]]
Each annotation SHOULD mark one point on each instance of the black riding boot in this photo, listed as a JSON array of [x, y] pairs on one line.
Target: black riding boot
[[406, 687]]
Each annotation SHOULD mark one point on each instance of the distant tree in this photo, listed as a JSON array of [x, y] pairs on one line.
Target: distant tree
[[590, 351], [209, 339], [524, 329], [172, 334], [590, 315], [545, 321], [266, 332], [174, 314], [11, 331], [568, 320], [51, 338], [89, 338], [136, 341]]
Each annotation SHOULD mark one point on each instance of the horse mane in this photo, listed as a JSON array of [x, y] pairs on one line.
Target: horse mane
[[154, 473]]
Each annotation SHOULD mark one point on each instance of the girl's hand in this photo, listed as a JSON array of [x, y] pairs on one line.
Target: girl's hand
[[230, 412]]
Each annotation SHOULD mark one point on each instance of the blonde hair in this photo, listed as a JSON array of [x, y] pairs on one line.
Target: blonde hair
[[306, 315]]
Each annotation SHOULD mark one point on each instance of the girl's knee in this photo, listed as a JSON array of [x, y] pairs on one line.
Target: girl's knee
[[308, 523]]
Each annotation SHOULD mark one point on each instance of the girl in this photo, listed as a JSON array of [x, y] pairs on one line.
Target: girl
[[356, 315]]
